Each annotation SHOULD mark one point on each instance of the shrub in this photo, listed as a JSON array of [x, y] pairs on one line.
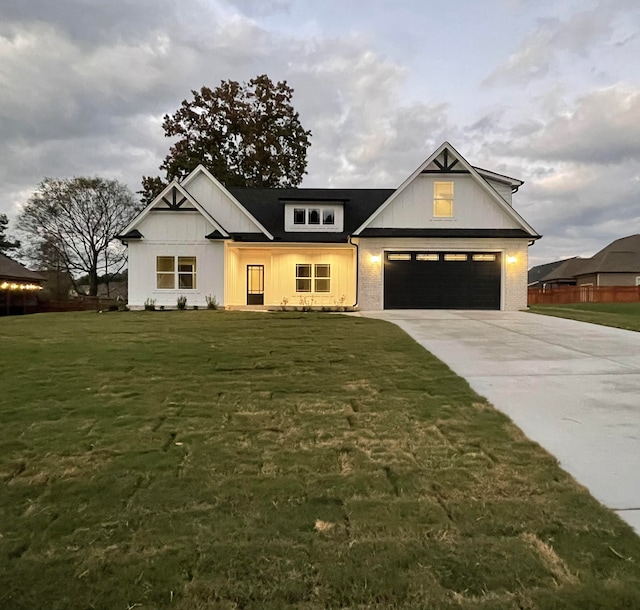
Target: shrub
[[212, 302], [306, 303], [182, 302], [150, 304]]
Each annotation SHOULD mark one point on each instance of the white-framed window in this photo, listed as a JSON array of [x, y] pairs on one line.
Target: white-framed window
[[314, 217], [175, 271], [443, 199], [313, 278], [484, 257], [637, 280], [455, 257], [328, 216]]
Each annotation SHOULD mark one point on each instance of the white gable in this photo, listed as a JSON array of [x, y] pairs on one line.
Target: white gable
[[175, 226], [225, 208], [173, 199], [476, 203], [473, 208]]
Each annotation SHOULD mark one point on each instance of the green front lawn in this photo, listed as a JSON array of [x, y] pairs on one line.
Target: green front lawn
[[196, 460], [619, 315]]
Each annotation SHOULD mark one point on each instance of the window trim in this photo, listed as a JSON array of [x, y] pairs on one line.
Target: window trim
[[328, 213], [313, 279], [440, 200], [176, 273], [166, 274], [313, 211]]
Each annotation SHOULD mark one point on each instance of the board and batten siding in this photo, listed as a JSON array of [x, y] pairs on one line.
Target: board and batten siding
[[504, 190], [220, 206], [175, 234], [473, 208], [280, 274]]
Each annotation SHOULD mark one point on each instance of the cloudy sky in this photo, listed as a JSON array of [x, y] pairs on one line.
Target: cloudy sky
[[545, 91]]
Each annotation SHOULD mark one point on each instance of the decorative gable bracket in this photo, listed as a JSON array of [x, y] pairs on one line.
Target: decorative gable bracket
[[444, 163], [174, 204]]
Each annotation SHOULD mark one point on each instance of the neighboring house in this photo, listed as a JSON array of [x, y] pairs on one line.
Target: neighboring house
[[448, 237], [18, 286], [563, 274], [538, 272], [618, 264]]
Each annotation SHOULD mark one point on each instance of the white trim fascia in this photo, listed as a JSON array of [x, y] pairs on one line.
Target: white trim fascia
[[190, 198], [498, 177], [208, 174], [474, 173]]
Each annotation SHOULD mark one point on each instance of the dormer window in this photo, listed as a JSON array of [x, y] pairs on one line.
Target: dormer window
[[314, 216]]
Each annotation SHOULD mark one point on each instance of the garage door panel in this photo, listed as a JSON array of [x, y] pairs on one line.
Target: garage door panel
[[454, 281]]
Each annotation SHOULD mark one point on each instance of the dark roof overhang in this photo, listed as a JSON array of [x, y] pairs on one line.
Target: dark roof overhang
[[245, 237], [134, 234], [481, 233]]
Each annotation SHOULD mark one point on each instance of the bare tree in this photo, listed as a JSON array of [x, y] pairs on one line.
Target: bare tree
[[77, 219]]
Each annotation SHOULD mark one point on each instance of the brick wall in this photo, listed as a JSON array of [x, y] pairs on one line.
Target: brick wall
[[514, 277]]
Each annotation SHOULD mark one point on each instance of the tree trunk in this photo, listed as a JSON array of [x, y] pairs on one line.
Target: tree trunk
[[93, 282]]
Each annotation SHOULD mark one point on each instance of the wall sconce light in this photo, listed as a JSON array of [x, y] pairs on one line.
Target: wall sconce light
[[512, 259], [375, 258]]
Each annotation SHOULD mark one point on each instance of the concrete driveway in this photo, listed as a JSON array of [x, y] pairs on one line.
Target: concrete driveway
[[572, 387]]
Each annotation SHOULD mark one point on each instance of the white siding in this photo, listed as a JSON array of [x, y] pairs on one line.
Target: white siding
[[504, 190], [280, 274], [232, 218], [175, 234], [174, 226], [473, 208]]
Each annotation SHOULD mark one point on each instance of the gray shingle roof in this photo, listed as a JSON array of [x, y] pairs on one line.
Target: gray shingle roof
[[12, 270], [539, 272], [566, 271], [620, 256]]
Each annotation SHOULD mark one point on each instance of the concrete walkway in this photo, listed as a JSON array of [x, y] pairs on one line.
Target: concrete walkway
[[572, 387]]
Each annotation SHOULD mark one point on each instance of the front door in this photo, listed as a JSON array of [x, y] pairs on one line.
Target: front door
[[255, 284]]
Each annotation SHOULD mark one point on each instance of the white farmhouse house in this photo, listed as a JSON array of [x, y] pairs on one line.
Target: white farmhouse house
[[448, 237]]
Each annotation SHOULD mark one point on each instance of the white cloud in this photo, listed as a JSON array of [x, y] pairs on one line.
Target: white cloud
[[576, 35]]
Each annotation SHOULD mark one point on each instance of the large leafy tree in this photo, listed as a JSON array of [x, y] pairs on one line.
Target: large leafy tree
[[6, 242], [245, 134], [74, 221]]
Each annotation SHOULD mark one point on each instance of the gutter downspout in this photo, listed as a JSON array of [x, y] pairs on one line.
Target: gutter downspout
[[355, 305]]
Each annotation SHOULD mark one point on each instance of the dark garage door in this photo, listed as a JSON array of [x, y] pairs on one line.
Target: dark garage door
[[442, 280]]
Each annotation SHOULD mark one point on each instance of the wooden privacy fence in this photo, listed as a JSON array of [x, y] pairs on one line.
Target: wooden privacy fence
[[584, 294], [19, 306]]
